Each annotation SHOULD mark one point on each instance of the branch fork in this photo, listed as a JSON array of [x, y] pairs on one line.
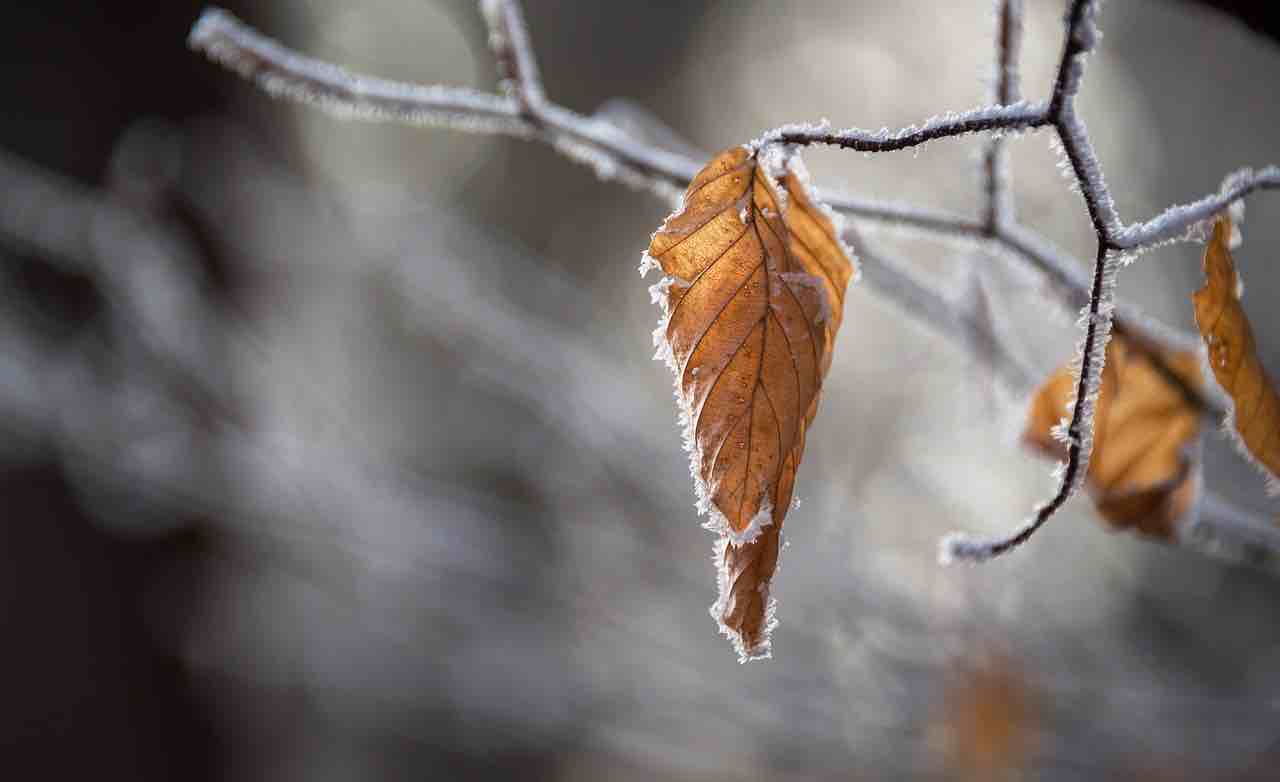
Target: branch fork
[[524, 110]]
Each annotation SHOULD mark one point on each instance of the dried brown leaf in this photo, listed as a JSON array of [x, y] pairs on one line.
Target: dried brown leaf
[[1140, 473], [986, 727], [752, 299], [1233, 354]]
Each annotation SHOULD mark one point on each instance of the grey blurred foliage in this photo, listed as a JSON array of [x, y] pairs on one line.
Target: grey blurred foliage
[[401, 378]]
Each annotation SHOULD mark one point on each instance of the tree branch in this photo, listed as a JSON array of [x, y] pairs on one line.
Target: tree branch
[[1014, 117], [509, 39], [1177, 222], [1080, 38], [616, 155], [999, 205], [282, 72]]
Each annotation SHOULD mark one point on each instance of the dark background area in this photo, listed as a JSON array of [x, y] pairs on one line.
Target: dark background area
[[87, 688]]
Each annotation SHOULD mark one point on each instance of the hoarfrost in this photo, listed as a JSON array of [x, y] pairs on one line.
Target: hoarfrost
[[283, 73], [773, 161], [839, 228], [1021, 114], [647, 264], [762, 519], [1191, 222]]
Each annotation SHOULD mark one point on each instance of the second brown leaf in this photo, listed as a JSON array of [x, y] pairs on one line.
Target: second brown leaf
[[1141, 474], [1233, 354]]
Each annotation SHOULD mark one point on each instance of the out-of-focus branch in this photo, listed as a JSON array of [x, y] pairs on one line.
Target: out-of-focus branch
[[149, 275], [56, 397], [999, 206], [959, 317], [509, 39]]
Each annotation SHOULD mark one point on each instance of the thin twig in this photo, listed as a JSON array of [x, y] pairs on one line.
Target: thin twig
[[509, 39], [1175, 222], [1014, 117], [1080, 38], [999, 205]]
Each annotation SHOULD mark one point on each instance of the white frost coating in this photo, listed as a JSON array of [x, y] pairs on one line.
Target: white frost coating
[[283, 73], [951, 123], [628, 160], [1059, 469], [647, 264], [491, 10], [660, 294], [1087, 171], [1086, 34], [1061, 430], [1231, 434], [1236, 210], [1178, 222], [949, 545], [762, 519], [1100, 324], [608, 167], [716, 521], [770, 138], [838, 223], [961, 546], [508, 36], [1228, 425], [774, 160]]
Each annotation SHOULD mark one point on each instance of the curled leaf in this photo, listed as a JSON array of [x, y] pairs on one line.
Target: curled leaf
[[752, 299], [1140, 474], [1233, 354]]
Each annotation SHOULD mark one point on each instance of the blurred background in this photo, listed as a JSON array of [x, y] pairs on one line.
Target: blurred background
[[334, 451]]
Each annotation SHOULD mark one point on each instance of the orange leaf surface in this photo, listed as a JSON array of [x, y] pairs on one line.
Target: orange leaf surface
[[752, 299], [1140, 474], [1233, 355]]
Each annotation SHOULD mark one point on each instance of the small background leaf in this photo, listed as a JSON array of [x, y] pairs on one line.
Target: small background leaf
[[1141, 474], [986, 726]]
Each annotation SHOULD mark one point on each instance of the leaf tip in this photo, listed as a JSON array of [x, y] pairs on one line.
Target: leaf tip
[[750, 644]]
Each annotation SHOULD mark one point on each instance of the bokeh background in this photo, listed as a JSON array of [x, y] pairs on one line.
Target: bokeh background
[[334, 451]]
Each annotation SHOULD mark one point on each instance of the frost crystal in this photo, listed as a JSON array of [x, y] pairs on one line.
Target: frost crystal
[[762, 519]]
